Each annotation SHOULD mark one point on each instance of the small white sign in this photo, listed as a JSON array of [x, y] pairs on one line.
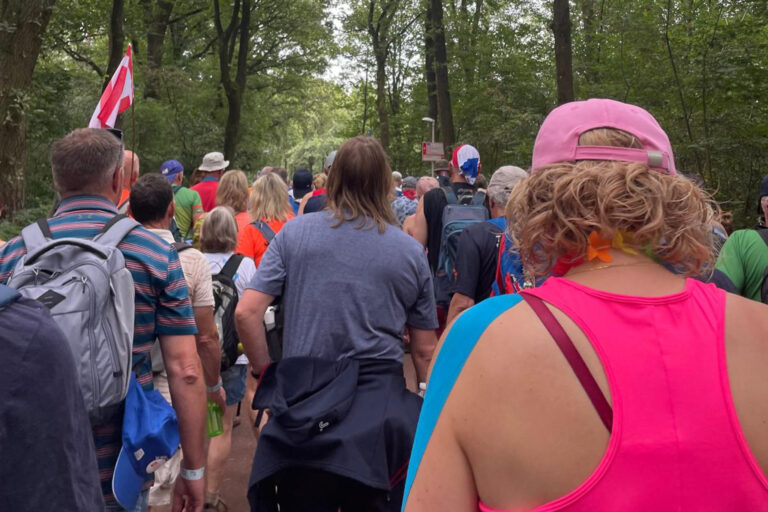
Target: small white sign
[[432, 151]]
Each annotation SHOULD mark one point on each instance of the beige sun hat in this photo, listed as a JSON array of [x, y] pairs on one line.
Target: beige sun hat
[[213, 162]]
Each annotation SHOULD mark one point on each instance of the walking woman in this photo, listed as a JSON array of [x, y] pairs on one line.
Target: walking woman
[[233, 192], [269, 210], [620, 385], [342, 421]]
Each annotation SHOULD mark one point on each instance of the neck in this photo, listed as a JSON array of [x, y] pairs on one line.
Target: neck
[[497, 212], [457, 178], [158, 224]]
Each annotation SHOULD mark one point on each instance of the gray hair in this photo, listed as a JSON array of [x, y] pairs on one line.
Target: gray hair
[[85, 160], [219, 231], [503, 181]]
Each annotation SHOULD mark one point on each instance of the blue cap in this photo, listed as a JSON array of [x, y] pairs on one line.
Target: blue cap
[[150, 437], [171, 168]]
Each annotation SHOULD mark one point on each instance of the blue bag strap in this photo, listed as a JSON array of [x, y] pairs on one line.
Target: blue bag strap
[[450, 195], [456, 348], [267, 232], [7, 295]]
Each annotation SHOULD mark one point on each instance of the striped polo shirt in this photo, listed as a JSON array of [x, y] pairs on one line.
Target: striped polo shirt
[[162, 301]]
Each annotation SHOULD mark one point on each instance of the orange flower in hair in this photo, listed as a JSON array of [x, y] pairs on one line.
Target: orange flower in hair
[[599, 248]]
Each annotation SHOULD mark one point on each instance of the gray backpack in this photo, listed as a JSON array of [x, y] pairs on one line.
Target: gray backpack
[[89, 291]]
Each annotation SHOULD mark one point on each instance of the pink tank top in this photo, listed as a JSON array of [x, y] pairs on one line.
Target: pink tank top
[[676, 443]]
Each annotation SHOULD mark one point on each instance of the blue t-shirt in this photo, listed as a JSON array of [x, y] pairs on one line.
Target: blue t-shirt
[[348, 292]]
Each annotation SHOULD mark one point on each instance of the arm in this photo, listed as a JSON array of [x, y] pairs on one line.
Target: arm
[[207, 341], [459, 303], [303, 203], [444, 480], [185, 380], [423, 343], [418, 227], [249, 317]]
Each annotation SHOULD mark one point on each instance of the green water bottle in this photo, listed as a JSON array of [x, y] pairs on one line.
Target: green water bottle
[[213, 420]]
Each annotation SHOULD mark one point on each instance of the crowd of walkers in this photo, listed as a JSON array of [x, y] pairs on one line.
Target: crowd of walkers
[[602, 344]]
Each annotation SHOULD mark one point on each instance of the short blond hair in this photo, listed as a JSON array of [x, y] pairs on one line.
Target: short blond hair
[[233, 191], [219, 231], [269, 199], [552, 212]]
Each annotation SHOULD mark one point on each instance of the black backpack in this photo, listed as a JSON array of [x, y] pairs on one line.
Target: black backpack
[[274, 317], [764, 288], [225, 299]]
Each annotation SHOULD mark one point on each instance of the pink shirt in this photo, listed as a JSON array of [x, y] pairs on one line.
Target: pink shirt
[[676, 443]]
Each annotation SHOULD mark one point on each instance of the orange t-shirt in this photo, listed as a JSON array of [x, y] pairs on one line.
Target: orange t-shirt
[[124, 196], [251, 243], [242, 219]]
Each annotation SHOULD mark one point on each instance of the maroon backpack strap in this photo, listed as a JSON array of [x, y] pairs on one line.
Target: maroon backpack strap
[[573, 357]]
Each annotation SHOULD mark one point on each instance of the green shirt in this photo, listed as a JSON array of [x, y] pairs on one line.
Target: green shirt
[[743, 261], [188, 204]]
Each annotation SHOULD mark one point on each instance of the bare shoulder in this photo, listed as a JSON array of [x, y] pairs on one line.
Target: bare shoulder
[[746, 319]]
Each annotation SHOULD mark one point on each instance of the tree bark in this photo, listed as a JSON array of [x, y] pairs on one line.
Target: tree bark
[[561, 27], [381, 99], [24, 23], [238, 31], [158, 17], [429, 62], [116, 39], [445, 111]]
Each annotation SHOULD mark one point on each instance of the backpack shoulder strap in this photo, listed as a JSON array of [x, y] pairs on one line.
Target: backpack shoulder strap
[[115, 230], [267, 232], [7, 295], [181, 246], [763, 234], [36, 235], [574, 359], [501, 243], [230, 267], [450, 195], [478, 199]]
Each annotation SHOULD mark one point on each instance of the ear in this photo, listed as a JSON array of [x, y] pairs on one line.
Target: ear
[[117, 183], [171, 211]]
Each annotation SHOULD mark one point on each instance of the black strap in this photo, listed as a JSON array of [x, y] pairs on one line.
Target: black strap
[[573, 357], [45, 228], [230, 267], [763, 234], [111, 222], [181, 246], [265, 230]]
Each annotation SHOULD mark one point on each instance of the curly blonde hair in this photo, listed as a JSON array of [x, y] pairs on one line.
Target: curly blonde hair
[[552, 212]]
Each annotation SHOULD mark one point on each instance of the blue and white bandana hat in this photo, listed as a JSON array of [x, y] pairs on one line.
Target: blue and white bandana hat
[[467, 158]]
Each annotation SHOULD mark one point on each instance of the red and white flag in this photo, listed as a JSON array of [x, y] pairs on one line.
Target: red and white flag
[[118, 95]]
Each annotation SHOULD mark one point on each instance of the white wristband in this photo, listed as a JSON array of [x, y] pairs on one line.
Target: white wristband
[[192, 474], [214, 388]]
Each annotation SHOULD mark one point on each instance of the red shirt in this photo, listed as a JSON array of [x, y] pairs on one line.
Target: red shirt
[[207, 190]]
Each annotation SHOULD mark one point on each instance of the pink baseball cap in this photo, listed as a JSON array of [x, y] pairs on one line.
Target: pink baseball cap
[[558, 138]]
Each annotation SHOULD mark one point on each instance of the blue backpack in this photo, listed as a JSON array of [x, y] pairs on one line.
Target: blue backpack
[[459, 213], [509, 269]]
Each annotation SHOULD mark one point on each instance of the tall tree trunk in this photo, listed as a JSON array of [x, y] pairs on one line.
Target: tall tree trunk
[[158, 15], [441, 76], [381, 98], [116, 39], [238, 29], [589, 19], [23, 23], [429, 62], [561, 27]]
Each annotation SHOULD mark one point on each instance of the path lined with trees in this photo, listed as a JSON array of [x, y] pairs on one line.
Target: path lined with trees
[[250, 77]]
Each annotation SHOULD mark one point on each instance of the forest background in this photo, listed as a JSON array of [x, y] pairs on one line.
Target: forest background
[[283, 82]]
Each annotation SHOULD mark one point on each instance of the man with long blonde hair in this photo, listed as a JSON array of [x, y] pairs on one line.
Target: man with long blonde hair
[[350, 283]]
